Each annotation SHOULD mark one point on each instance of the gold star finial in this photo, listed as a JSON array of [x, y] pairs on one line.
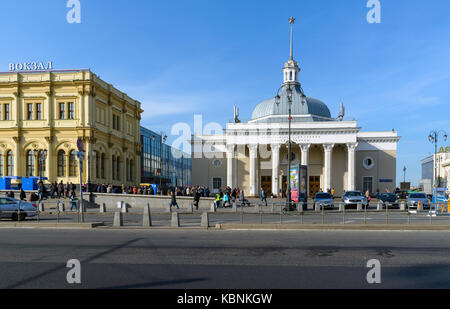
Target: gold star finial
[[292, 20]]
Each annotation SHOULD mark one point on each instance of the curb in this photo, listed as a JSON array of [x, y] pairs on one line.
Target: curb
[[320, 227], [52, 225]]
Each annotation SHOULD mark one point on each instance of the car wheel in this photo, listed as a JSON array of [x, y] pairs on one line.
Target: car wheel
[[15, 217]]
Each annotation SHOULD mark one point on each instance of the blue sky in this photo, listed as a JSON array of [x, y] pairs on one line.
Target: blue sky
[[181, 58]]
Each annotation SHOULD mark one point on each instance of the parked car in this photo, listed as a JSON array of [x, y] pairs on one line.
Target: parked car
[[325, 200], [9, 209], [389, 200], [415, 198], [352, 198]]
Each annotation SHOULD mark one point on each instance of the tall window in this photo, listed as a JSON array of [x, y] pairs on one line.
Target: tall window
[[97, 165], [61, 163], [113, 168], [1, 164], [30, 163], [103, 166], [73, 164], [6, 111], [131, 169], [9, 163], [42, 164], [114, 122], [30, 111], [71, 111], [62, 111], [118, 168], [39, 111]]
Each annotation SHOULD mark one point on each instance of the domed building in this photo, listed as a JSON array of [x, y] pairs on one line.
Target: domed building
[[326, 153]]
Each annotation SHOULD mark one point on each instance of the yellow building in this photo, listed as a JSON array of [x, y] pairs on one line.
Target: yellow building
[[49, 111]]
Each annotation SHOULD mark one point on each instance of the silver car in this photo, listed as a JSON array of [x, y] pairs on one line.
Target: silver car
[[325, 200], [415, 198], [353, 198], [9, 209]]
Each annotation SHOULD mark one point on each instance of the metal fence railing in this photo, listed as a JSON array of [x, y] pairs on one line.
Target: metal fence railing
[[255, 213]]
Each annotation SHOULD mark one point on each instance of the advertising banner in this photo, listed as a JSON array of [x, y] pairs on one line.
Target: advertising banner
[[298, 182]]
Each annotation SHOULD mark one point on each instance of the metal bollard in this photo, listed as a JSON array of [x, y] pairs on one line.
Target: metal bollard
[[260, 216], [118, 219], [402, 206], [81, 212], [302, 214], [103, 208], [124, 208], [323, 215], [365, 215], [147, 217], [205, 220], [409, 218], [359, 207], [387, 215], [41, 207], [380, 206], [317, 207]]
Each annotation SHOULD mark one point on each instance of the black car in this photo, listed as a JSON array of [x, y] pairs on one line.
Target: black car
[[389, 200]]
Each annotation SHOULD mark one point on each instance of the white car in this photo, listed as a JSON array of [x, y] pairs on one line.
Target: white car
[[9, 209]]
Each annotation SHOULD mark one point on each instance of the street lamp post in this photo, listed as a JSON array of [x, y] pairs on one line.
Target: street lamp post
[[404, 176], [277, 101], [433, 138]]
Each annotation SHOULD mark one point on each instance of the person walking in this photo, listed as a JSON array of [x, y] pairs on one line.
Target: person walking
[[263, 196], [197, 196], [218, 200], [73, 201], [173, 200], [23, 195], [368, 197], [61, 189]]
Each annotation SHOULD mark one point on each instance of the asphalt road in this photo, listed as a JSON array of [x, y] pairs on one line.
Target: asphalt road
[[184, 259]]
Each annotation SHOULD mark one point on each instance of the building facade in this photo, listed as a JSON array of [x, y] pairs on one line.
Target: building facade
[[436, 167], [48, 112], [336, 153], [162, 163]]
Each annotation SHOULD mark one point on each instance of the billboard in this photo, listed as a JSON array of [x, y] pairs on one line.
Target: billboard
[[298, 182]]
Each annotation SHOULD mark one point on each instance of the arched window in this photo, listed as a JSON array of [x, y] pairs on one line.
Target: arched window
[[42, 164], [103, 166], [1, 164], [61, 163], [290, 75], [127, 167], [113, 168], [131, 169], [118, 168], [97, 165], [73, 164], [9, 163], [30, 163]]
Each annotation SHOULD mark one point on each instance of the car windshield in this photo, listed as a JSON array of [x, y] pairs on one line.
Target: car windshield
[[323, 195], [417, 195], [353, 194], [387, 195]]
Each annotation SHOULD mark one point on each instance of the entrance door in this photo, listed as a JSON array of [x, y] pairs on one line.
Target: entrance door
[[284, 187], [314, 185], [266, 183]]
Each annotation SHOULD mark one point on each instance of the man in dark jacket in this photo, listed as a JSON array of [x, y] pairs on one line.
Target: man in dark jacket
[[197, 195], [173, 201]]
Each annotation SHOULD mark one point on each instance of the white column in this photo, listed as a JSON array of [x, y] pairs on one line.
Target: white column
[[275, 169], [253, 169], [305, 161], [351, 166], [231, 167], [328, 148]]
